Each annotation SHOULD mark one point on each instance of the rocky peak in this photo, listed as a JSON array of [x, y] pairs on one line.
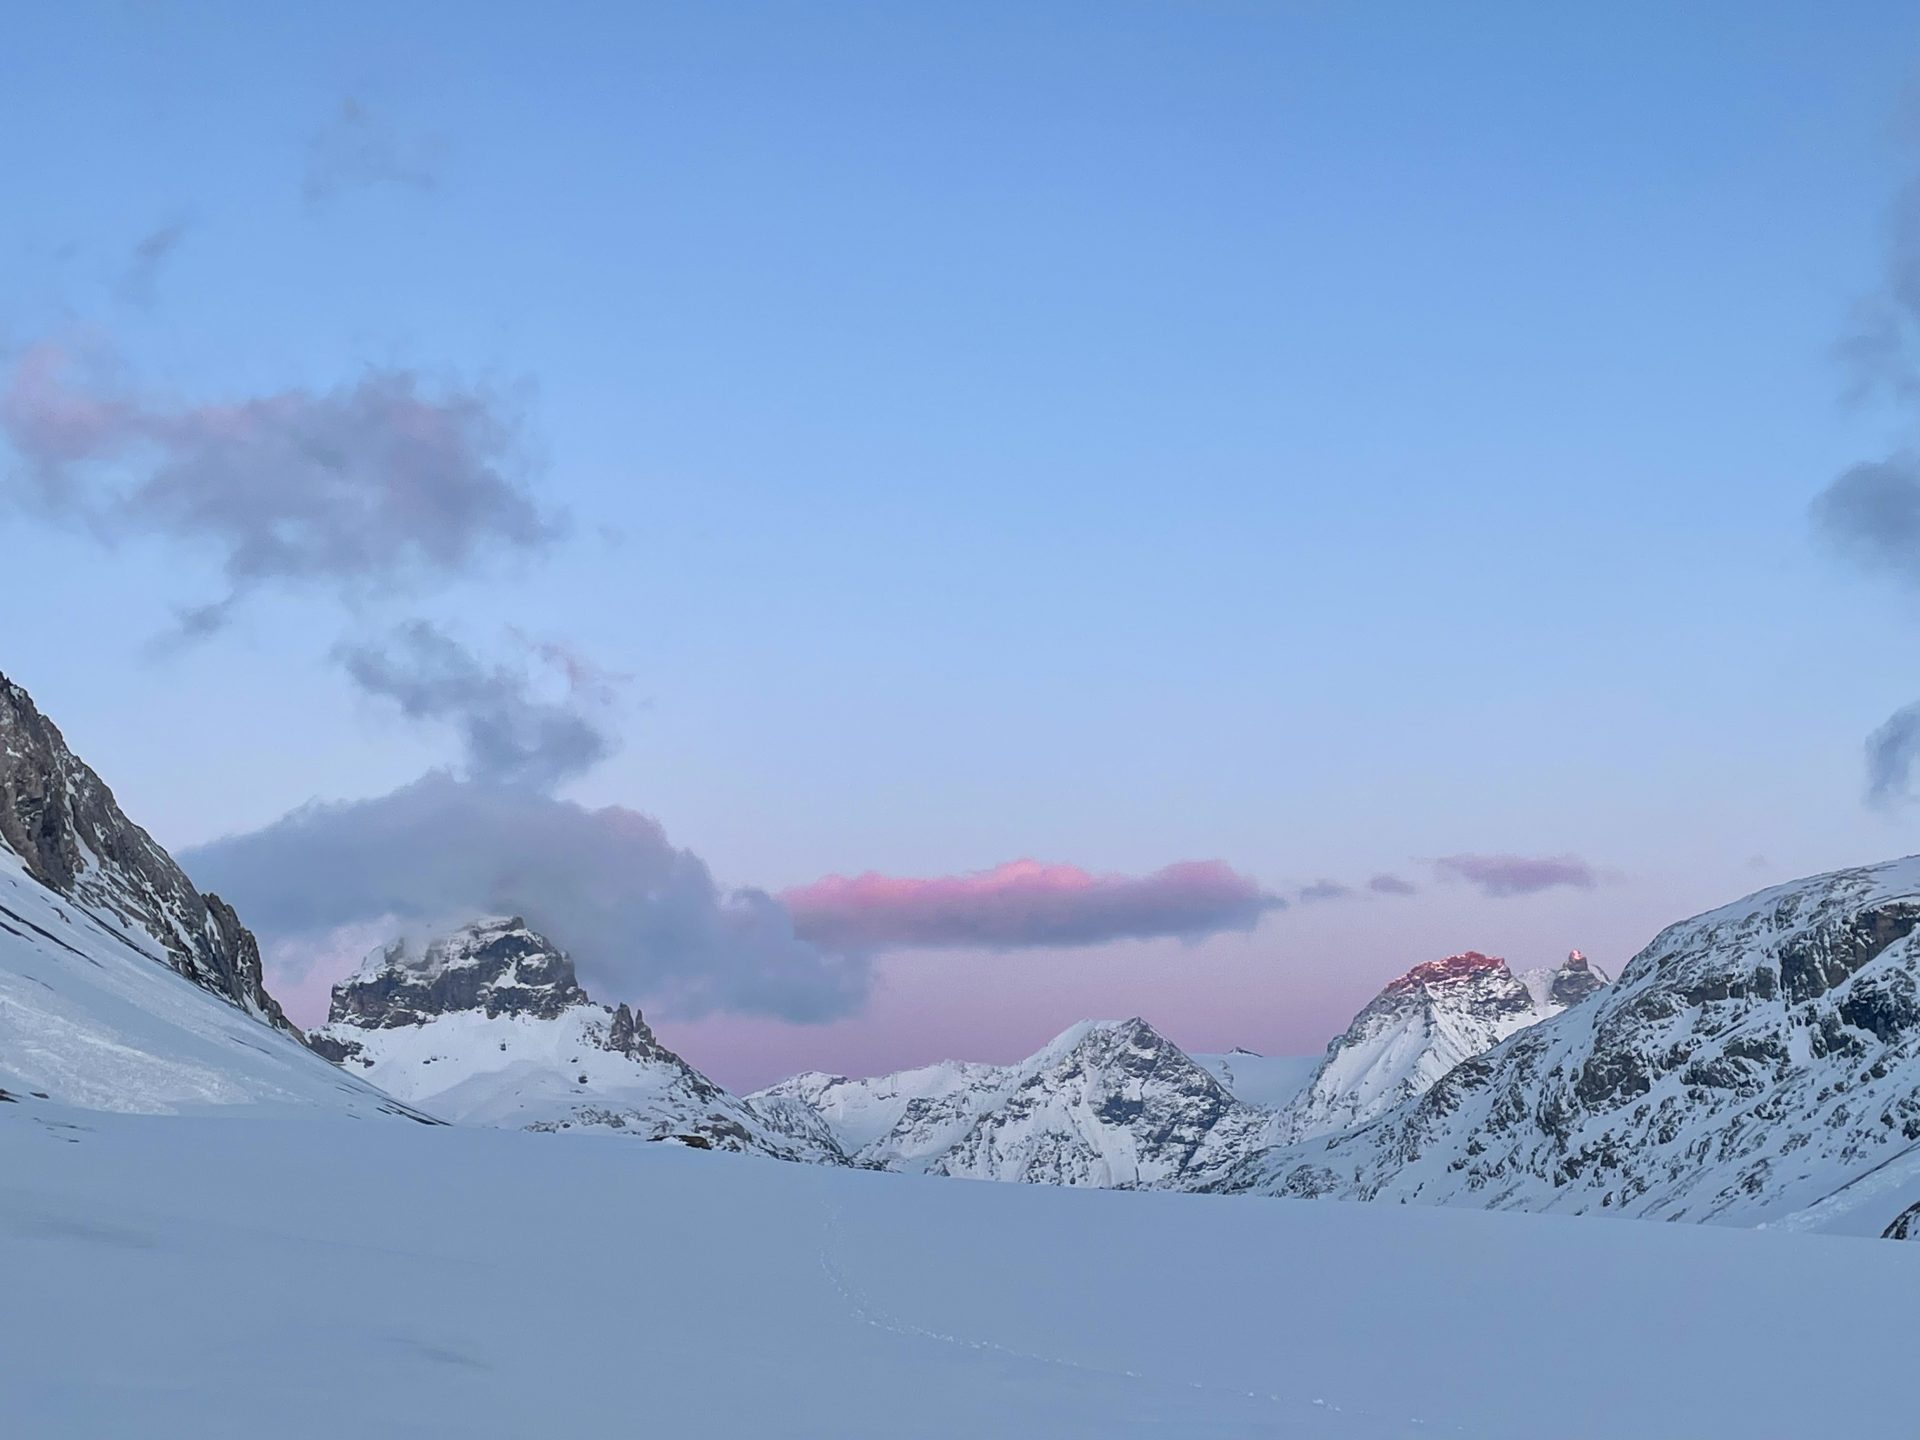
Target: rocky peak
[[494, 966], [63, 823], [1574, 981], [1424, 1023], [1469, 968]]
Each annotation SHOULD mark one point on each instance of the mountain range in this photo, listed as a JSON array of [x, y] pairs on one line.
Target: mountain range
[[1759, 1064]]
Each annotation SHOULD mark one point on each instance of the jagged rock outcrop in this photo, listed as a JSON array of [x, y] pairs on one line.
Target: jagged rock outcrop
[[63, 823], [1748, 1064], [1905, 1226], [488, 1025]]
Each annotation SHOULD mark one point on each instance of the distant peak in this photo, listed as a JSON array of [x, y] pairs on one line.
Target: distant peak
[[1576, 960], [1453, 970]]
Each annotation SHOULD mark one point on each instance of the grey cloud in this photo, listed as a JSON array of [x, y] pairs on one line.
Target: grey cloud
[[1871, 514], [644, 920], [149, 254], [1323, 890], [1392, 885], [511, 735], [360, 148], [367, 488], [1502, 876], [1891, 751]]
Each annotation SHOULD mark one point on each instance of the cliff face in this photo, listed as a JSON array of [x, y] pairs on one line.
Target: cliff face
[[60, 819]]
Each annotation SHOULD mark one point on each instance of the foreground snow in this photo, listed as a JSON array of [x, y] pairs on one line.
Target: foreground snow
[[320, 1275]]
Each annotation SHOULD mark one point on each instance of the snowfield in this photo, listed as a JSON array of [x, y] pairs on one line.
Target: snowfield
[[308, 1275]]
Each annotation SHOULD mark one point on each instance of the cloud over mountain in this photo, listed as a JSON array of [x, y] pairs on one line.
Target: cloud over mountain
[[645, 920]]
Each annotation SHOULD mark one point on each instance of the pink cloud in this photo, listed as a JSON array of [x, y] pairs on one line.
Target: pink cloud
[[1026, 903], [1501, 876]]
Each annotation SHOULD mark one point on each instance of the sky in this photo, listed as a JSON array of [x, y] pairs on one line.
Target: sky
[[893, 529]]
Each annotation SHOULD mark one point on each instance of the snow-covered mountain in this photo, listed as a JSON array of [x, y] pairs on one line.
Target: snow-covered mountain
[[1421, 1026], [121, 986], [1107, 1103], [1755, 1063], [904, 1121], [488, 1025]]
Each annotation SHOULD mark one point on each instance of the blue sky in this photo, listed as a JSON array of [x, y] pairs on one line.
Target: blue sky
[[1319, 437]]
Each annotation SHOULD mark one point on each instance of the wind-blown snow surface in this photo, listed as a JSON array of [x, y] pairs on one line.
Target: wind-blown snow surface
[[308, 1278]]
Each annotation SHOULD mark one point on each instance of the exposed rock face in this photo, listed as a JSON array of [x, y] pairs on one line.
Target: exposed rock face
[[1106, 1104], [1748, 1064], [1905, 1226], [1424, 1024], [497, 967], [488, 1025], [63, 823], [1573, 982]]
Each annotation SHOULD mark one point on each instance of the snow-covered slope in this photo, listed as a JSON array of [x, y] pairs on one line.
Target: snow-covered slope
[[187, 1279], [122, 988], [1421, 1026], [489, 1026], [1107, 1103], [1758, 1063], [1271, 1082]]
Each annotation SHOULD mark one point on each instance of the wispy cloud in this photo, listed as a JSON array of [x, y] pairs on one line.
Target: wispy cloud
[[1385, 884], [1323, 890], [1870, 513], [1027, 904], [150, 253], [511, 734], [373, 486], [1502, 876], [360, 148]]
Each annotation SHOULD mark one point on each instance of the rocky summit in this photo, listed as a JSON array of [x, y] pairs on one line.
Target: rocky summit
[[488, 1025]]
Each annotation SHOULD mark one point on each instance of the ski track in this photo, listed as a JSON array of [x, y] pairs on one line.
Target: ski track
[[877, 1317]]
